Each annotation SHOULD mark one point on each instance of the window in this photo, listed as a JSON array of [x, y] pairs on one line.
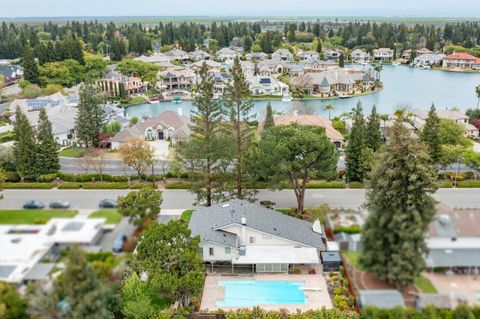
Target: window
[[252, 240], [211, 251], [228, 250]]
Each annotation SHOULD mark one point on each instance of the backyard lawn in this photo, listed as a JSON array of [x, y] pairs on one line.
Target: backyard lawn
[[353, 258], [425, 285], [28, 216], [72, 152], [186, 215], [112, 215]]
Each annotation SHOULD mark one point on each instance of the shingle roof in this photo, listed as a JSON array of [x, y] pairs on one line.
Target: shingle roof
[[179, 123], [207, 223], [435, 300]]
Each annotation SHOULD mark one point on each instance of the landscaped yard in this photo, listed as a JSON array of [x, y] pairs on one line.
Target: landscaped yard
[[425, 285], [186, 215], [28, 216], [112, 215], [72, 152]]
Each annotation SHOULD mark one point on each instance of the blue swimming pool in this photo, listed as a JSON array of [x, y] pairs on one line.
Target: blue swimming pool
[[250, 293]]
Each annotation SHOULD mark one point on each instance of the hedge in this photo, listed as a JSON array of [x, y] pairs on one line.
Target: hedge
[[469, 184], [445, 184], [102, 185], [27, 185], [333, 184], [356, 185], [354, 229]]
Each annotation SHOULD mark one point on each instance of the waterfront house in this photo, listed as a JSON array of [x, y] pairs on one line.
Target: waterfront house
[[430, 59], [419, 117], [240, 233], [360, 56], [176, 80], [334, 80], [333, 55], [383, 54], [283, 55], [319, 65], [459, 61], [118, 85], [266, 85], [168, 125], [407, 54], [311, 120]]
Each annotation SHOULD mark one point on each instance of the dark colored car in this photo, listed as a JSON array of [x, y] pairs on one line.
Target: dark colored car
[[118, 243], [33, 204], [108, 203], [61, 204]]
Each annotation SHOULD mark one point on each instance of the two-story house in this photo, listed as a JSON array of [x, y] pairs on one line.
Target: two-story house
[[240, 233], [383, 54]]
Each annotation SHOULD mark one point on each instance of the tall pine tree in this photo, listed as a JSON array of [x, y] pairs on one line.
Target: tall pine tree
[[30, 67], [355, 168], [239, 107], [401, 209], [269, 121], [374, 135], [201, 153], [90, 118], [430, 135], [24, 147], [47, 151]]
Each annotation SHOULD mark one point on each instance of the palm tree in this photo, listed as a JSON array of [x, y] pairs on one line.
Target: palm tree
[[378, 68], [477, 91], [329, 108]]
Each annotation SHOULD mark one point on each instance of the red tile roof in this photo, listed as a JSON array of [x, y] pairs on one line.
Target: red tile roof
[[460, 56]]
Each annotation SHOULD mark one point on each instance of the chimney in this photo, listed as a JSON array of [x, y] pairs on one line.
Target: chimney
[[244, 220], [243, 231]]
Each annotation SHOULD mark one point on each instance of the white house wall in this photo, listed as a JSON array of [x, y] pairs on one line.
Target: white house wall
[[219, 252]]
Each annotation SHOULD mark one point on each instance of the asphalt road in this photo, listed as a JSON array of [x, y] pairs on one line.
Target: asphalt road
[[181, 199]]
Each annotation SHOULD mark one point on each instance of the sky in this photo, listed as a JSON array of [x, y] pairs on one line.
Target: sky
[[67, 8]]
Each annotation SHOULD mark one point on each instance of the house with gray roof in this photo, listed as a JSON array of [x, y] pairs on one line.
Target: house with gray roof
[[168, 125], [283, 55], [238, 232]]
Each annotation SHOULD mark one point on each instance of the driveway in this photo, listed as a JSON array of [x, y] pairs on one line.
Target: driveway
[[160, 149], [123, 228]]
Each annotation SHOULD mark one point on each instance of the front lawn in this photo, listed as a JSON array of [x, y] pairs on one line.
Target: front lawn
[[186, 215], [112, 215], [72, 152], [30, 216], [425, 285]]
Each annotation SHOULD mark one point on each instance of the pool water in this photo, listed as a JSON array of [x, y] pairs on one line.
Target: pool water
[[250, 293]]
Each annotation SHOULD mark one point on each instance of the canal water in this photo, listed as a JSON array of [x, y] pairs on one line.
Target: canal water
[[404, 87]]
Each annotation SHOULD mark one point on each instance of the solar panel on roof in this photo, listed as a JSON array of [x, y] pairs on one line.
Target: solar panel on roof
[[265, 81]]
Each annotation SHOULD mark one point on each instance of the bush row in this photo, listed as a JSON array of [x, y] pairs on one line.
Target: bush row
[[102, 185], [354, 229], [9, 185]]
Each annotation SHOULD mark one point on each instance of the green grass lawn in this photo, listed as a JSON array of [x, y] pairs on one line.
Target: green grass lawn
[[353, 258], [425, 285], [112, 215], [29, 216], [186, 215], [72, 152]]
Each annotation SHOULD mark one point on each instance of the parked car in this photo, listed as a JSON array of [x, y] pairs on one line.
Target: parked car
[[108, 203], [33, 204], [118, 243], [62, 204]]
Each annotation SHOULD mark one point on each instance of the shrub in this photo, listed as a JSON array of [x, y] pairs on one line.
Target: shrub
[[356, 185], [297, 272], [105, 185], [445, 184], [27, 185], [12, 177], [48, 178], [469, 184], [354, 229], [69, 185], [322, 184]]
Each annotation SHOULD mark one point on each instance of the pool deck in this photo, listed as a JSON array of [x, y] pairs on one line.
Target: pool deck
[[212, 291]]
